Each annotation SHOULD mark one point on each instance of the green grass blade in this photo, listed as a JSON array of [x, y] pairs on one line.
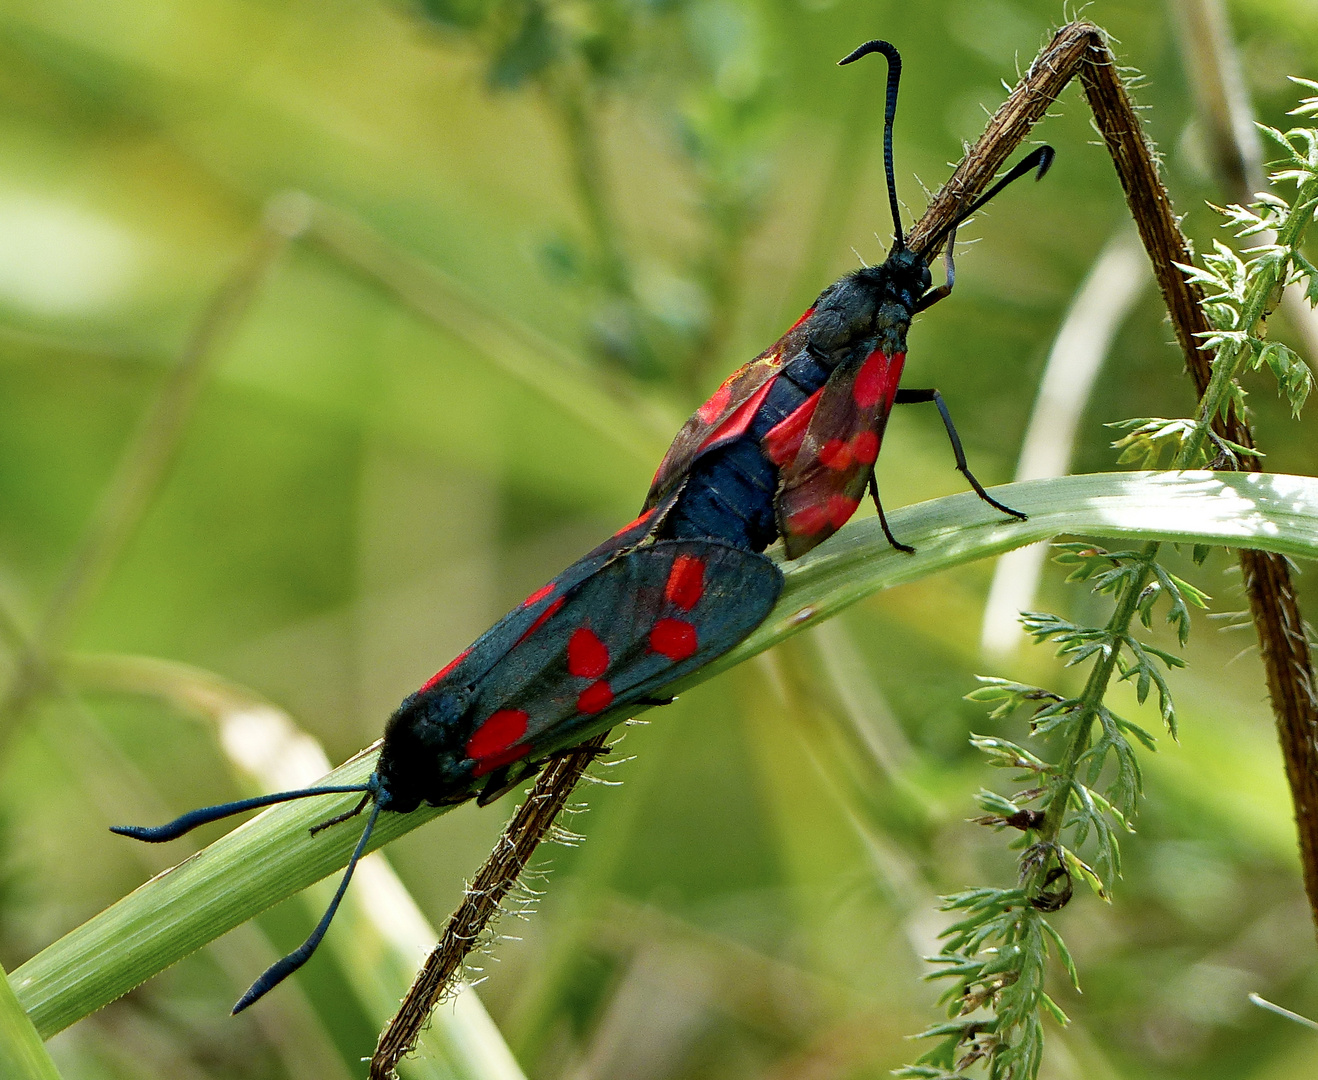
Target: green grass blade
[[272, 856], [22, 1053], [246, 871]]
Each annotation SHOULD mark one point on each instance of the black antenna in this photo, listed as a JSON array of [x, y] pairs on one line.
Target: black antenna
[[1040, 160], [282, 969], [189, 821], [889, 111]]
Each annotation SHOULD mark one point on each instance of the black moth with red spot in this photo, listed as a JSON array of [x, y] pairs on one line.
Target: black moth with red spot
[[784, 448]]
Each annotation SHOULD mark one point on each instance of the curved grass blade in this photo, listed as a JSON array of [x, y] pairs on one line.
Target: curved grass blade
[[272, 856]]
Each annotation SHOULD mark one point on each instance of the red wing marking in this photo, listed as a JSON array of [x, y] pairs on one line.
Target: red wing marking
[[808, 312], [835, 511], [635, 521], [809, 520], [497, 735], [597, 697], [865, 447], [442, 672], [709, 411], [840, 509], [783, 440], [877, 378], [538, 595], [540, 620], [836, 455], [587, 656], [505, 757], [829, 465], [861, 449], [674, 638], [686, 582], [739, 421]]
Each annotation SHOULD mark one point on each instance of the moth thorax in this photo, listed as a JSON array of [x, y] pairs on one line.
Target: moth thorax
[[894, 317]]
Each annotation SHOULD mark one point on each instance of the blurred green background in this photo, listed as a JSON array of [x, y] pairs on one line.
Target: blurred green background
[[509, 245]]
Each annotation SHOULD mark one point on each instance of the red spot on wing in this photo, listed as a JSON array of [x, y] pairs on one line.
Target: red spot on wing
[[840, 508], [686, 582], [674, 638], [836, 455], [877, 379], [713, 408], [640, 520], [808, 312], [540, 620], [597, 697], [443, 672], [870, 380], [737, 424], [808, 520], [587, 656], [783, 441], [831, 513], [492, 744], [538, 595], [865, 447]]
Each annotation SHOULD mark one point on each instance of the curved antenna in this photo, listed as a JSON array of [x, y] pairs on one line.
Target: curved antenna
[[889, 111], [282, 969], [1040, 160], [187, 822]]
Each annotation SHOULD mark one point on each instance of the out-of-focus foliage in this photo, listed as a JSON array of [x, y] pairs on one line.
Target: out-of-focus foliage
[[639, 196]]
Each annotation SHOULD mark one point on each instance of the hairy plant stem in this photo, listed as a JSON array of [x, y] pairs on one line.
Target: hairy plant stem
[[1081, 49], [1263, 292], [481, 901]]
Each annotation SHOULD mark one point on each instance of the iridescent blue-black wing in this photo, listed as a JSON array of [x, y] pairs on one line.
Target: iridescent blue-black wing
[[615, 637], [643, 620], [473, 662]]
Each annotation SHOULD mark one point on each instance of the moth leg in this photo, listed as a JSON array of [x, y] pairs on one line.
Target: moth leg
[[911, 397], [338, 818], [655, 701], [944, 290], [502, 781], [874, 492], [593, 751]]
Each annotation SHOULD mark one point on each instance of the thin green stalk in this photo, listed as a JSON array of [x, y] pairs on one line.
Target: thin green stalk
[[148, 457], [379, 930], [1096, 687], [576, 100]]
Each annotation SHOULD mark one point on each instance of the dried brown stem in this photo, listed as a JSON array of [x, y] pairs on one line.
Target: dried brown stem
[[1272, 600], [1078, 48], [1081, 49], [511, 853]]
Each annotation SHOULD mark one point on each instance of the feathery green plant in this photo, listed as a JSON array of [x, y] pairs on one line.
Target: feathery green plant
[[996, 953]]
